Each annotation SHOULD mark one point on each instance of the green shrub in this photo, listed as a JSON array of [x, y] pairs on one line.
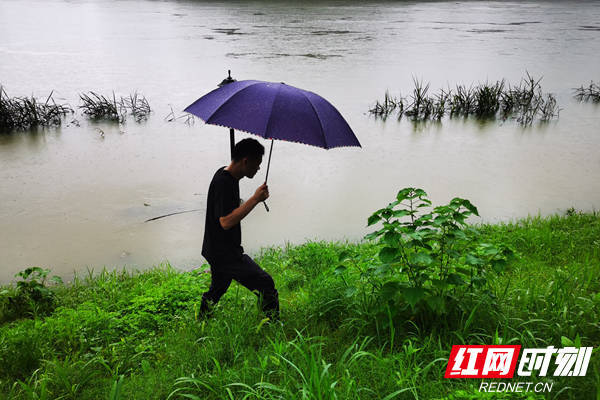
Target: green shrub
[[427, 259], [30, 298]]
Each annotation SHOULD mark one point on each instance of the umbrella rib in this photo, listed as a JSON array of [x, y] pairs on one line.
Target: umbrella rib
[[271, 113], [225, 102], [318, 118]]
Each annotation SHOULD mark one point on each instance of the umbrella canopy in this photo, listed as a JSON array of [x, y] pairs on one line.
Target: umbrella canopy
[[275, 111]]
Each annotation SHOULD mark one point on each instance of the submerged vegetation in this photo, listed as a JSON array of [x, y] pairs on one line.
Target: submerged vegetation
[[373, 320], [187, 118], [21, 113], [97, 106], [588, 93], [524, 102]]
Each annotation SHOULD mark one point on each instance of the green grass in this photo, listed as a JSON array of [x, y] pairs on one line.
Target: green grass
[[137, 335]]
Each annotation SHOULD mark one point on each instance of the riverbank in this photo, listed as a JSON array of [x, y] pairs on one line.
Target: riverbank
[[138, 335]]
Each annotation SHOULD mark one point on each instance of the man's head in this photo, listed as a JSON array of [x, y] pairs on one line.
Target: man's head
[[248, 154]]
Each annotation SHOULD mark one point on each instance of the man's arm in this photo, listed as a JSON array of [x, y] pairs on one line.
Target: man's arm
[[232, 219]]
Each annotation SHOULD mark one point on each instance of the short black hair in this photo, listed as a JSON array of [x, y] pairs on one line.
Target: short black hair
[[247, 148]]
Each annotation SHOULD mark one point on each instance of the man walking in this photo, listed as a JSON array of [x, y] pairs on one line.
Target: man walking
[[222, 233]]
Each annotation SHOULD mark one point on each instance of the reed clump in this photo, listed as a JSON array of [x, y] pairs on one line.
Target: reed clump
[[588, 93], [524, 102], [100, 107], [137, 105], [21, 113], [96, 106]]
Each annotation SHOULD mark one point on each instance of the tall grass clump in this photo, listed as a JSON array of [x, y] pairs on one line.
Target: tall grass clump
[[524, 102], [588, 93], [21, 113], [100, 107], [137, 105], [97, 106]]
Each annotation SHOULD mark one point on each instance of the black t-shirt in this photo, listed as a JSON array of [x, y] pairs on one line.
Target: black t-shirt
[[222, 245]]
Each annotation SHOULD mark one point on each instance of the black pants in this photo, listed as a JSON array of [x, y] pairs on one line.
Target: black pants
[[249, 274]]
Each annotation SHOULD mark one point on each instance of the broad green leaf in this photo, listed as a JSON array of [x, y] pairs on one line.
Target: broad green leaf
[[401, 213], [373, 219], [404, 194], [424, 219], [453, 254], [566, 342], [441, 220], [390, 289], [391, 238], [374, 235], [388, 254], [479, 281], [413, 295], [344, 255], [463, 270], [422, 259], [437, 304], [340, 270], [440, 284], [488, 249], [420, 193], [460, 218], [442, 210], [383, 269], [469, 206], [473, 260], [499, 265], [460, 234], [351, 291], [455, 203], [455, 279]]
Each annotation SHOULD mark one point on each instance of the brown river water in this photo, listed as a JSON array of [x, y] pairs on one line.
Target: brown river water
[[72, 199]]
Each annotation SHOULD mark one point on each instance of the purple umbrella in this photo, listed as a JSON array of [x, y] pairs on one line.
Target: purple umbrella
[[275, 111]]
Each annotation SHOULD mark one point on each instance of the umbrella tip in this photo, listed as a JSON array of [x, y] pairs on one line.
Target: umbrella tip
[[227, 80]]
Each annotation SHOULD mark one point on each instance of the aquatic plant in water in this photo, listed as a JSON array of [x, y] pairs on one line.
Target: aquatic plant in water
[[137, 105], [20, 113], [189, 119], [588, 93], [97, 106], [524, 102]]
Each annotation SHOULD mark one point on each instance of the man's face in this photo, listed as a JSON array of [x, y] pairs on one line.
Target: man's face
[[251, 166]]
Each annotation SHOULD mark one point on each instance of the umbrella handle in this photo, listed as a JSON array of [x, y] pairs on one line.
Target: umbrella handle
[[269, 163], [267, 177]]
